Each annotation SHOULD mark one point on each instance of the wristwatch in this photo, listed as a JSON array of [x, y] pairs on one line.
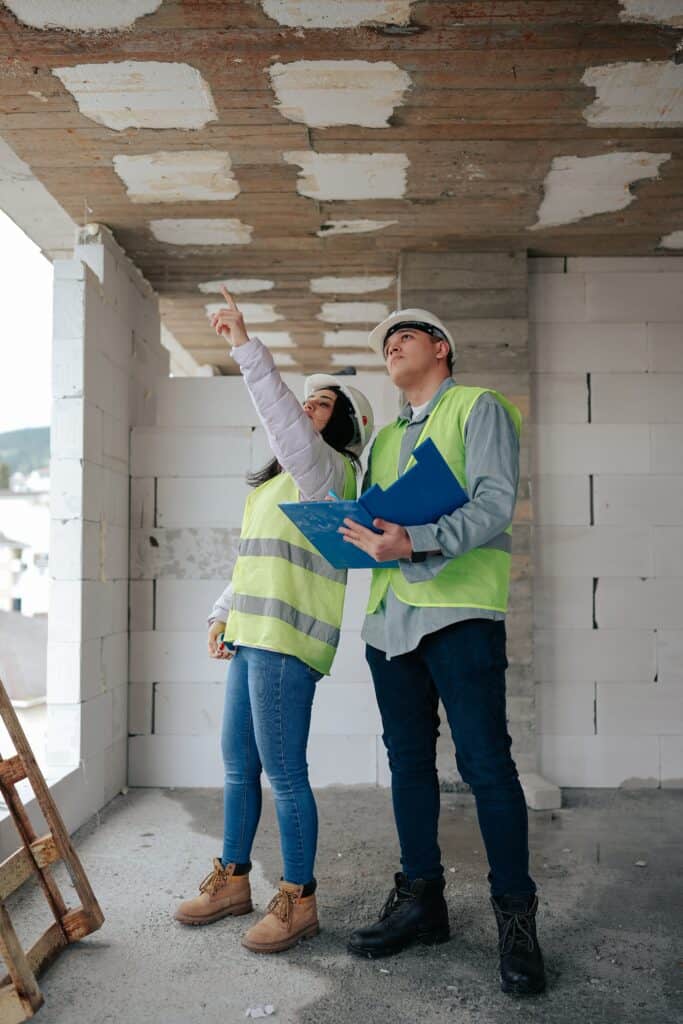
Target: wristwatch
[[418, 556]]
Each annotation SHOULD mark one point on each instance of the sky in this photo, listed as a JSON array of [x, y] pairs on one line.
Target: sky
[[25, 330]]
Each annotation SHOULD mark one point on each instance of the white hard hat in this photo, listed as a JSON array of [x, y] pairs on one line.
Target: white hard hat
[[421, 319], [362, 410]]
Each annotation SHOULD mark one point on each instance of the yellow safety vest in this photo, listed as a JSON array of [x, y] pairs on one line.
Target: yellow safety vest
[[286, 596], [481, 577]]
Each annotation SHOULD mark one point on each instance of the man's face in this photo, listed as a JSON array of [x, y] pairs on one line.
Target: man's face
[[410, 353]]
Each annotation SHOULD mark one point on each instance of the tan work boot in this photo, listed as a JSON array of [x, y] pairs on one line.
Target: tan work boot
[[289, 918], [221, 893]]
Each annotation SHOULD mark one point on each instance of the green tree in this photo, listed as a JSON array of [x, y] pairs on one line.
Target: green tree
[[4, 476]]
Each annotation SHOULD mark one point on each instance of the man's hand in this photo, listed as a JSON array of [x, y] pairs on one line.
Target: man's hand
[[229, 322], [217, 650], [392, 543]]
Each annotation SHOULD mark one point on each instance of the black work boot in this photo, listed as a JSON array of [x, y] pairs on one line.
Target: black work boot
[[414, 912], [521, 963]]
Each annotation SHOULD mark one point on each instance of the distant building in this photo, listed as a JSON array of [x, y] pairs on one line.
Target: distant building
[[24, 547]]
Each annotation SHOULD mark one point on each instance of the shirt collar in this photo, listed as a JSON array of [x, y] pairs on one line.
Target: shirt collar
[[406, 412]]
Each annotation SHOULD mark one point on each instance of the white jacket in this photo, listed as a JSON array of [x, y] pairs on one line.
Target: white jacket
[[315, 466]]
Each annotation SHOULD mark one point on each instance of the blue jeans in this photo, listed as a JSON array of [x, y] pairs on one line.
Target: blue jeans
[[267, 715], [464, 665]]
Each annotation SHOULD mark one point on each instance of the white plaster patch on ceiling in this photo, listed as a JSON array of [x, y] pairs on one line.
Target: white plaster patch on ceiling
[[236, 286], [674, 240], [647, 93], [356, 359], [350, 285], [345, 339], [202, 231], [333, 14], [352, 227], [253, 312], [666, 12], [169, 177], [324, 93], [350, 175], [276, 339], [140, 94], [578, 187], [353, 312], [81, 15]]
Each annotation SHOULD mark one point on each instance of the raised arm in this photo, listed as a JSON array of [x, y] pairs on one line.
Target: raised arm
[[315, 466]]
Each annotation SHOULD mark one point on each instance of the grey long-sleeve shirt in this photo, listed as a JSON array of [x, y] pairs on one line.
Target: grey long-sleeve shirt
[[492, 470]]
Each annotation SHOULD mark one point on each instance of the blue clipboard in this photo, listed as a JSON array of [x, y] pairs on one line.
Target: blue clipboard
[[427, 491]]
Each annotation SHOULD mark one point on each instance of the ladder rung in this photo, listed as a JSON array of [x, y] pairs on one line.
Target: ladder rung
[[18, 867], [12, 770]]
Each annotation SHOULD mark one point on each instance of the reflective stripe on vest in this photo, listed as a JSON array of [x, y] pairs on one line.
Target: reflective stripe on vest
[[477, 579], [286, 596], [311, 560], [272, 608]]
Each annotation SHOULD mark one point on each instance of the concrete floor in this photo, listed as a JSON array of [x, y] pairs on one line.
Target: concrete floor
[[611, 929]]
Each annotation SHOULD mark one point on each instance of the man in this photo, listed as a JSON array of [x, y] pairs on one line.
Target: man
[[435, 628]]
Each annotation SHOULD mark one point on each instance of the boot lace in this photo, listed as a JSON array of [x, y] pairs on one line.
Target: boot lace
[[282, 905], [395, 898], [215, 879], [517, 931]]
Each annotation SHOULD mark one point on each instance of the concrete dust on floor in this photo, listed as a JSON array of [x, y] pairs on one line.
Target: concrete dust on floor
[[608, 866]]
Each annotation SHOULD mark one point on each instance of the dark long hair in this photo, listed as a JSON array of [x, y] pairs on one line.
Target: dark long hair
[[338, 433]]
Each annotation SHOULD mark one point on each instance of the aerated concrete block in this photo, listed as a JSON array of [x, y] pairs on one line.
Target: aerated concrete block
[[188, 452], [201, 501], [634, 298], [563, 602], [594, 448], [638, 499], [560, 500], [671, 749], [666, 347], [667, 448], [540, 795], [174, 761], [565, 709], [342, 760], [652, 709], [184, 605], [572, 655], [557, 298], [559, 398], [600, 761], [637, 397], [173, 658], [345, 709], [641, 603], [190, 709], [593, 551], [589, 347]]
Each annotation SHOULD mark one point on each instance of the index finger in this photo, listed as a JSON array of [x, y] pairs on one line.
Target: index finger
[[228, 297]]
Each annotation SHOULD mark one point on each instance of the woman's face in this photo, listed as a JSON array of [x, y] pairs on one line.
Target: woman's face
[[318, 407]]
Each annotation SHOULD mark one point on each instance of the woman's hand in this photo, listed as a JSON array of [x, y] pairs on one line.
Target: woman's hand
[[229, 322], [218, 650]]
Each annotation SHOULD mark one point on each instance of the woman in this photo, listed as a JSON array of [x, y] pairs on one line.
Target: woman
[[282, 619]]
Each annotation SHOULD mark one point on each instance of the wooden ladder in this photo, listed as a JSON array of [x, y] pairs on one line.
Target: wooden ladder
[[20, 995]]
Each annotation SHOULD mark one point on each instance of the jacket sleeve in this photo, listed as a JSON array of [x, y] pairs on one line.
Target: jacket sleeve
[[315, 466], [221, 608], [492, 469]]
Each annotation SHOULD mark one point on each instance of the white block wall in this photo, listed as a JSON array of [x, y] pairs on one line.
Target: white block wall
[[107, 363], [187, 496], [607, 406]]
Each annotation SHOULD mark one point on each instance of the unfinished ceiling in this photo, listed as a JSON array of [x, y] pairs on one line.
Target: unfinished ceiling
[[296, 148]]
